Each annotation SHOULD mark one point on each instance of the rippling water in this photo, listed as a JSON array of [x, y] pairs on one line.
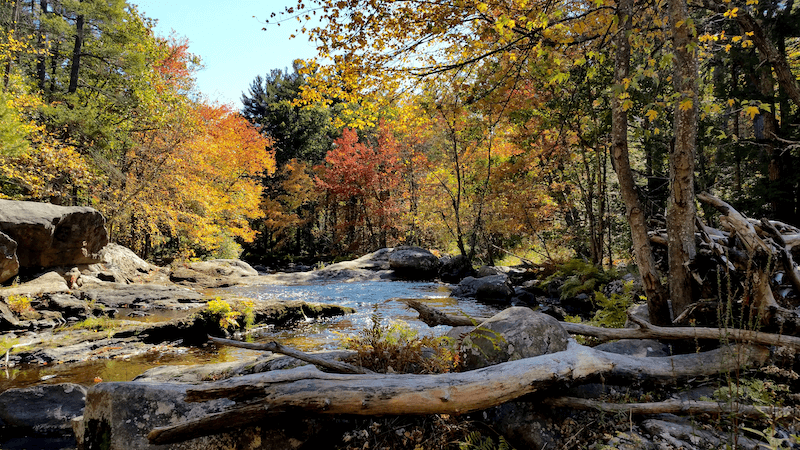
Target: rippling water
[[383, 297]]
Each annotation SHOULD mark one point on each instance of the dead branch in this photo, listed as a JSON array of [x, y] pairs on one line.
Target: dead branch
[[336, 366], [646, 330], [784, 253], [676, 407], [310, 390]]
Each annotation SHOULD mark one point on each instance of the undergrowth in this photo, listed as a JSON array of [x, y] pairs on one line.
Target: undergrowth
[[398, 348]]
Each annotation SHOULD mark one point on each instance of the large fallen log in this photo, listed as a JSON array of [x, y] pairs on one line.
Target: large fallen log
[[433, 317], [308, 389]]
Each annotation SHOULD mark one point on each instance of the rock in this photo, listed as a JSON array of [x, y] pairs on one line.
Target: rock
[[8, 321], [9, 263], [121, 265], [48, 283], [493, 287], [636, 347], [514, 333], [141, 296], [118, 416], [641, 312], [67, 305], [453, 269], [414, 263], [212, 274], [224, 268], [525, 424], [50, 235], [42, 410], [487, 271]]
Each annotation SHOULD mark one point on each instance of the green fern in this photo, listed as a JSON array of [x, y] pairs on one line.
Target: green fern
[[476, 441]]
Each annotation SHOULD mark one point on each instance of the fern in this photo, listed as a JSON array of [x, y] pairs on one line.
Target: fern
[[476, 441]]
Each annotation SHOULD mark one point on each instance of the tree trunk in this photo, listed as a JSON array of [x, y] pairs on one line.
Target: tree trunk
[[656, 296], [76, 55], [681, 208], [308, 389]]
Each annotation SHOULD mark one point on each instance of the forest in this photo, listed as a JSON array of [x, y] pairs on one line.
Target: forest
[[551, 130]]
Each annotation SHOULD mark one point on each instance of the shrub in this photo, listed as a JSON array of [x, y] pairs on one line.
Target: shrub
[[398, 348]]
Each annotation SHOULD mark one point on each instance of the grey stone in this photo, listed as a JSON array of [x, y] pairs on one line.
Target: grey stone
[[493, 287], [514, 333], [50, 235], [9, 263], [141, 296], [44, 409], [453, 269], [414, 263]]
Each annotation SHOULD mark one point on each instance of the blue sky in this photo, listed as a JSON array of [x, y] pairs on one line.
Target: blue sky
[[230, 41]]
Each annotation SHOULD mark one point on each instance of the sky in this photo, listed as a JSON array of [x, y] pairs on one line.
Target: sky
[[229, 40]]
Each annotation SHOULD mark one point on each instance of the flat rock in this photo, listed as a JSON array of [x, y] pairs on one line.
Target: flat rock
[[140, 296], [636, 347], [50, 235]]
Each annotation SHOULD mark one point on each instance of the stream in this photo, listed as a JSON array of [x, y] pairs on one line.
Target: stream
[[367, 298]]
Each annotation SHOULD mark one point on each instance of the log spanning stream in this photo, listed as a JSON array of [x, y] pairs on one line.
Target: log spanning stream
[[384, 297]]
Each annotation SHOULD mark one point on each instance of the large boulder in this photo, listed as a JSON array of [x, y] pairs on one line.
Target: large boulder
[[453, 269], [492, 288], [50, 235], [41, 410], [514, 333], [122, 265], [215, 273], [9, 263], [414, 263]]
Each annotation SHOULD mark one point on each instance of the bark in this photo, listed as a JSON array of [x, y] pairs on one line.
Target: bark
[[681, 209], [676, 407], [434, 317], [309, 390], [337, 366], [656, 295], [74, 71]]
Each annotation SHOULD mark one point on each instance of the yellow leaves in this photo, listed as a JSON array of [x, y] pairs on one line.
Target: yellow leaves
[[685, 104], [731, 13], [752, 111], [482, 7], [651, 114]]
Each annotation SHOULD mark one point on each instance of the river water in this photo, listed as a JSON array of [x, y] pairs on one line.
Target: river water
[[367, 298]]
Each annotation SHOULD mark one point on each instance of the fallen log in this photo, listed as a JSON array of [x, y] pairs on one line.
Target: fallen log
[[676, 407], [433, 317], [311, 390], [336, 366]]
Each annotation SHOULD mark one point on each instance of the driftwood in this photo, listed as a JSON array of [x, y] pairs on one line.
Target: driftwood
[[434, 317], [308, 389], [676, 407], [336, 366]]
